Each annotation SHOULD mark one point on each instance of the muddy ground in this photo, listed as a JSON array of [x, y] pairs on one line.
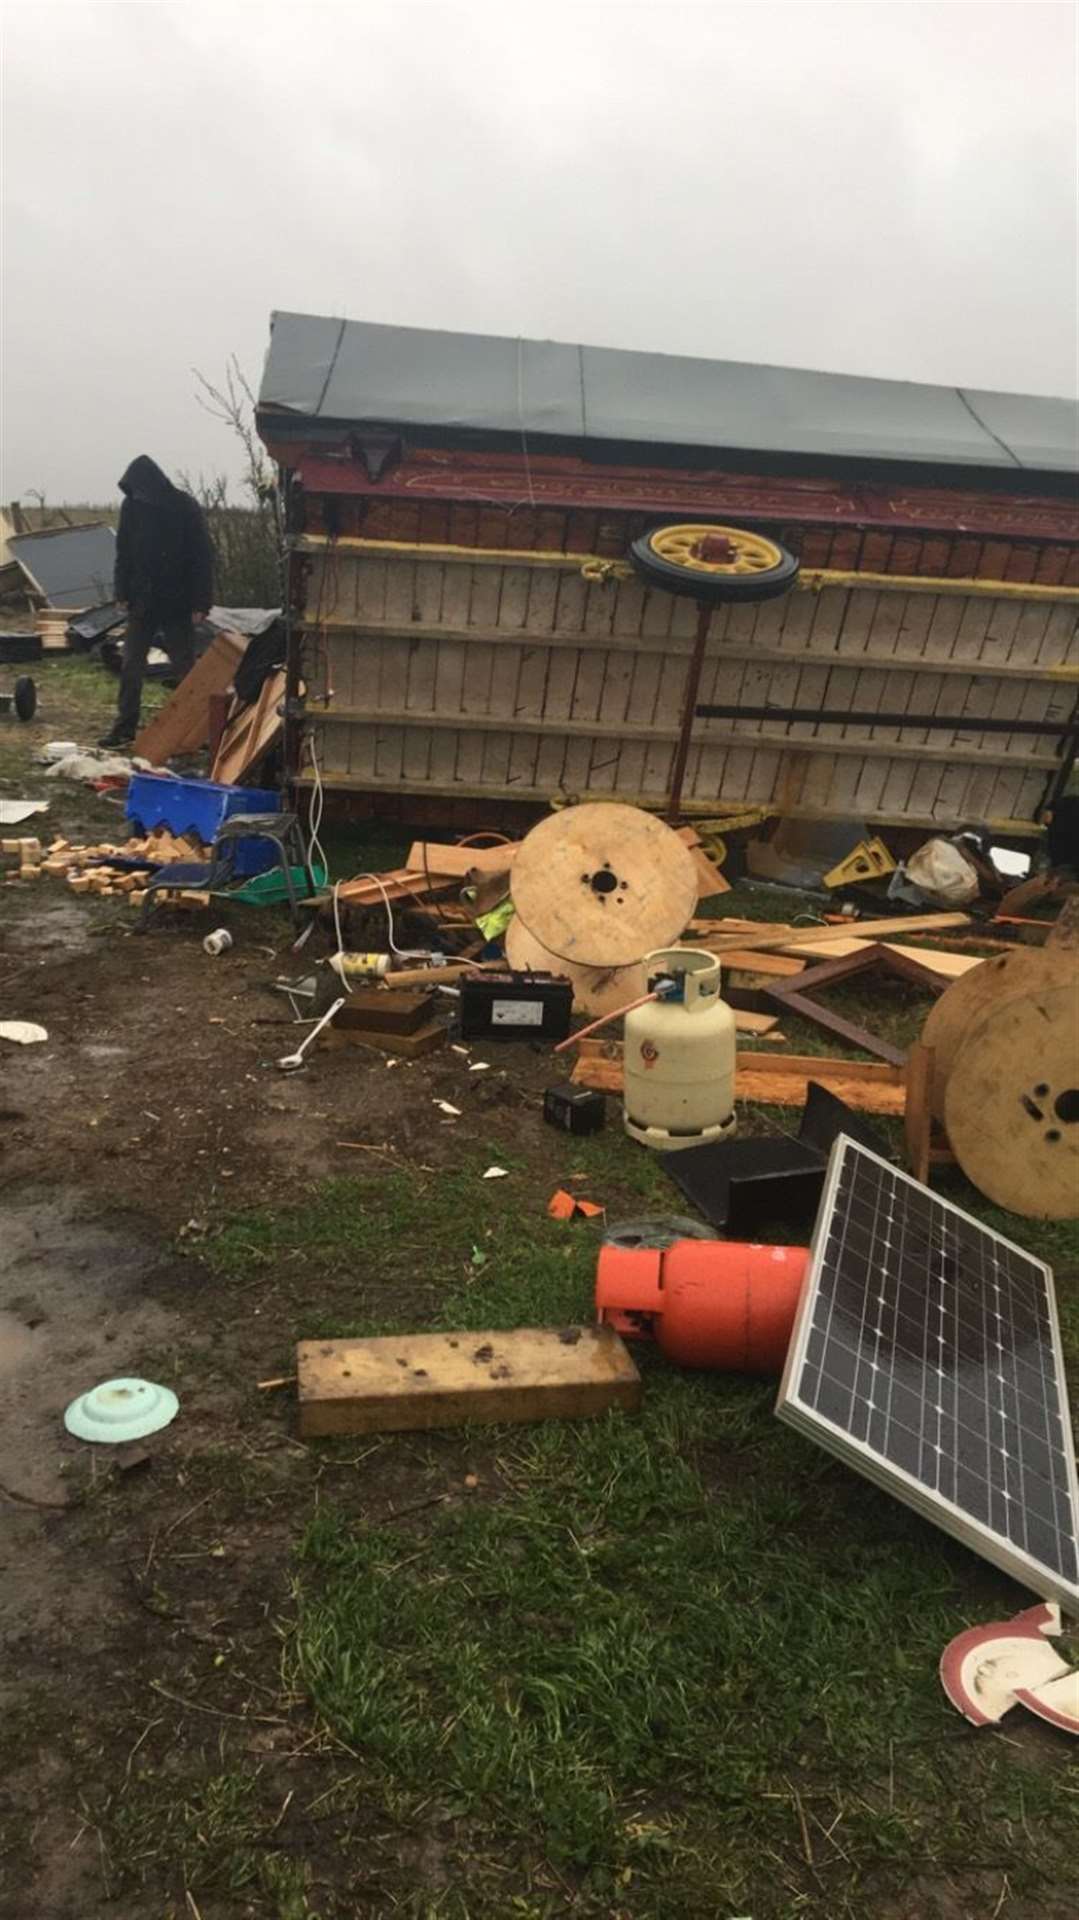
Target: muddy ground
[[144, 1591], [130, 1578], [155, 1106]]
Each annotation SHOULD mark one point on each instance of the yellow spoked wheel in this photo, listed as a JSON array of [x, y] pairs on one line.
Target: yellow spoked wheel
[[714, 563]]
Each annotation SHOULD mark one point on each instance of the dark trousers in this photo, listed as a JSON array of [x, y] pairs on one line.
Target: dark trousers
[[174, 634]]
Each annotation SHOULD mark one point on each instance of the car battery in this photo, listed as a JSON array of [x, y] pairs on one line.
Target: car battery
[[574, 1109], [515, 1006]]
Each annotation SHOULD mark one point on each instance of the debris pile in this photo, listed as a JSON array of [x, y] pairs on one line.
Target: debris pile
[[103, 868]]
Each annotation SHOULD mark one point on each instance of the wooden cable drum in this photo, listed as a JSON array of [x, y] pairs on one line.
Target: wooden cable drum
[[601, 885], [970, 996], [596, 990], [1005, 1079]]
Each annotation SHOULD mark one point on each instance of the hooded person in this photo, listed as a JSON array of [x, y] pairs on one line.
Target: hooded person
[[164, 578]]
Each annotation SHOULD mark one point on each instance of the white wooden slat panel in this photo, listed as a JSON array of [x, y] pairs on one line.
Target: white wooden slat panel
[[534, 666], [393, 665], [422, 675], [523, 759], [513, 605], [441, 674], [1003, 801], [550, 763], [416, 752], [562, 673], [356, 685], [400, 593], [570, 604], [484, 588], [389, 755], [505, 675], [542, 601], [659, 754], [629, 608], [427, 584], [485, 596], [641, 699], [370, 579]]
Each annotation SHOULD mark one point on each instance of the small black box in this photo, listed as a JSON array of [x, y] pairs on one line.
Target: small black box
[[575, 1109], [515, 1006]]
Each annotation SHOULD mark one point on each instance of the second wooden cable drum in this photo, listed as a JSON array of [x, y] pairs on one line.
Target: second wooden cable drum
[[1005, 1079]]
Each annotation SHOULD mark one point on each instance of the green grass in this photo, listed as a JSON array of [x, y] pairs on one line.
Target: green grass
[[212, 1836], [651, 1681], [681, 1664]]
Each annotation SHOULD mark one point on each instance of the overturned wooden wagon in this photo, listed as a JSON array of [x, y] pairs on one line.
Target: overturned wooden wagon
[[469, 625]]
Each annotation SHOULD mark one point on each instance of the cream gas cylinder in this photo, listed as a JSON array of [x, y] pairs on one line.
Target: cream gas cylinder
[[679, 1055]]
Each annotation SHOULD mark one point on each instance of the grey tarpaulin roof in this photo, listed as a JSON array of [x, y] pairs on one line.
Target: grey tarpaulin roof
[[353, 370], [71, 566]]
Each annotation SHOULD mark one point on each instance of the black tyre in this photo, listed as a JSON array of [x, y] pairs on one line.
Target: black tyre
[[714, 563], [25, 697]]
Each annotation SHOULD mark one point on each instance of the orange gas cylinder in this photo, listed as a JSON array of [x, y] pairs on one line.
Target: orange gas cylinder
[[706, 1303]]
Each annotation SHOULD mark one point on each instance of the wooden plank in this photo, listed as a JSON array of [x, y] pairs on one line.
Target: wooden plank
[[817, 657], [790, 1001], [746, 1021], [240, 751], [776, 939], [917, 1125], [780, 965], [710, 880], [788, 801], [408, 1046], [425, 1380], [949, 966], [182, 725], [398, 885], [667, 730], [427, 856], [870, 1086]]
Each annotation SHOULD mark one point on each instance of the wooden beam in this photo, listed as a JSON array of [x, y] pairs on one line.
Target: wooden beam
[[424, 1380], [603, 566], [776, 939], [408, 784], [682, 645], [781, 1080], [416, 720]]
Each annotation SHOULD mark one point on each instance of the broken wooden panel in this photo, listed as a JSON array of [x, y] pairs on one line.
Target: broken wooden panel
[[425, 1380], [522, 680], [182, 725]]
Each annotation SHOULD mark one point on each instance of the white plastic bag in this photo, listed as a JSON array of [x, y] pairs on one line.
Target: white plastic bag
[[943, 873]]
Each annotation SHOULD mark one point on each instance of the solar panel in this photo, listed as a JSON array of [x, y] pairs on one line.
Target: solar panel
[[926, 1354]]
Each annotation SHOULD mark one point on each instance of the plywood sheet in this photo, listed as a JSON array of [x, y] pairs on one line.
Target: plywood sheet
[[182, 725]]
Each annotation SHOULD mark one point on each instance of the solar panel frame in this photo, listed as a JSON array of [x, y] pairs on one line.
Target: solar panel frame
[[793, 1407]]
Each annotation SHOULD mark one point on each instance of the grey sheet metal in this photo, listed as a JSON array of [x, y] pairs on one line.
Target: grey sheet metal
[[351, 370], [71, 566]]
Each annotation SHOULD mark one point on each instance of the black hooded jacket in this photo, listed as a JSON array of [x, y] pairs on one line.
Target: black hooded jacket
[[164, 559]]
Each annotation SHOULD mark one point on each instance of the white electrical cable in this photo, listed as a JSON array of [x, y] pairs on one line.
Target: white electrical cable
[[314, 846], [399, 953]]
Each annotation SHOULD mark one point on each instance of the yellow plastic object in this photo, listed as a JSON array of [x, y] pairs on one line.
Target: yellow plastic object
[[711, 549], [869, 860], [678, 1056], [492, 925]]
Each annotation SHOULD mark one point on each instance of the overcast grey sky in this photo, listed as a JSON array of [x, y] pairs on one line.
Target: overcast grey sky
[[866, 187]]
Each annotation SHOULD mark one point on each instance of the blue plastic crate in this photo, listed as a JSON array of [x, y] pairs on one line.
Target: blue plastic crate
[[202, 806]]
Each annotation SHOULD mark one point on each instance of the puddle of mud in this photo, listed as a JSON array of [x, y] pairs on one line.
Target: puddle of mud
[[55, 925], [73, 1311]]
